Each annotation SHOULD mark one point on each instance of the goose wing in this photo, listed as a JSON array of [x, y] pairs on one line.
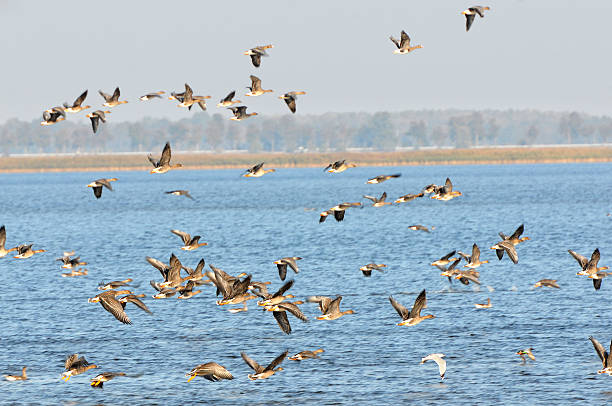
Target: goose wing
[[114, 307], [106, 96], [95, 122], [290, 100], [518, 232], [583, 261], [166, 155], [293, 309], [475, 253], [334, 306], [104, 183], [283, 321], [399, 308], [603, 355], [229, 97], [447, 256], [79, 100], [395, 41], [116, 94], [255, 83], [133, 299], [419, 304], [510, 250], [256, 59], [404, 40], [70, 360], [252, 363], [469, 19], [372, 198], [277, 361], [184, 236], [2, 236]]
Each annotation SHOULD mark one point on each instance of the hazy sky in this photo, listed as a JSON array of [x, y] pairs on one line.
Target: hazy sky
[[548, 54]]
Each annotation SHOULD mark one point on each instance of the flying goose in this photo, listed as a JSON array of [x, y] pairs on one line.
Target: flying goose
[[470, 14], [526, 352], [211, 371], [411, 317], [261, 372], [53, 116], [240, 113], [190, 243], [97, 185], [257, 171], [96, 117], [228, 100], [75, 107], [180, 193], [514, 239], [75, 366], [474, 259], [409, 197], [445, 192], [282, 263], [26, 251], [338, 166], [290, 98], [378, 201], [403, 45], [256, 53], [550, 283], [302, 355], [332, 312], [382, 178], [98, 380], [368, 268], [151, 96], [163, 165], [255, 88], [338, 211], [590, 268], [109, 302], [112, 101]]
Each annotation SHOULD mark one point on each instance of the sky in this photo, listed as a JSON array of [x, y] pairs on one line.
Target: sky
[[537, 54]]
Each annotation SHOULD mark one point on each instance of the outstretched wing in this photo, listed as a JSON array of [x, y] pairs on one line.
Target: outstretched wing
[[184, 236], [469, 19], [79, 100], [166, 155], [251, 363], [419, 304], [404, 40], [277, 361], [399, 308]]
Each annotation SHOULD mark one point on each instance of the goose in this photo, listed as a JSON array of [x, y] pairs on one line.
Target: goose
[[261, 372], [551, 283], [282, 263], [605, 357], [382, 178], [3, 251], [255, 88], [190, 243], [368, 268], [163, 165], [474, 259], [590, 268], [112, 101], [97, 185], [437, 358], [338, 211], [471, 13], [412, 317], [187, 291], [256, 53], [408, 197], [151, 96], [240, 113], [403, 45], [302, 355], [76, 106], [507, 247], [419, 227], [280, 310], [445, 260], [26, 251], [378, 201], [332, 312], [445, 192], [53, 116], [234, 290], [338, 166], [514, 239], [257, 171], [22, 377], [275, 298], [227, 101], [210, 371], [71, 263], [180, 193], [76, 366], [109, 302], [290, 98], [484, 305], [98, 380], [96, 117], [526, 352]]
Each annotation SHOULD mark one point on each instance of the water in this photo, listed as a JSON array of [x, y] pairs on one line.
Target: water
[[249, 223]]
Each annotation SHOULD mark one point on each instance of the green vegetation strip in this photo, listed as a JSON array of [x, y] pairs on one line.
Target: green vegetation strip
[[55, 163]]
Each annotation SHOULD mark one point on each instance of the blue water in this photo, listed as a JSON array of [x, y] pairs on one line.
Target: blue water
[[248, 223]]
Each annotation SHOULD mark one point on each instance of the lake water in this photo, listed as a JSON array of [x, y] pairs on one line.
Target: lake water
[[249, 223]]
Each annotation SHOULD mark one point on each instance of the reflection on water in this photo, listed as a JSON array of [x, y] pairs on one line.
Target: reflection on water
[[248, 223]]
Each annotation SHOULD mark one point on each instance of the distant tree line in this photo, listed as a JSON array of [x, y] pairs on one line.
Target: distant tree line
[[381, 131]]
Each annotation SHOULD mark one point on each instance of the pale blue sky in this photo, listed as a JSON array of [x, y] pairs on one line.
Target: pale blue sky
[[547, 54]]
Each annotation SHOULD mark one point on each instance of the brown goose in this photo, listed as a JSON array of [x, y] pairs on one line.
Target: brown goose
[[338, 211], [76, 106], [514, 239], [282, 263], [507, 247], [526, 352], [234, 290], [112, 101], [256, 54], [590, 267], [302, 355], [368, 268], [151, 96], [96, 117], [403, 45], [445, 192], [474, 260], [227, 101], [408, 197], [255, 88], [97, 185], [52, 116], [109, 302], [275, 298], [180, 193], [378, 201], [190, 243], [382, 178], [338, 166], [550, 283], [419, 227], [211, 371], [280, 310], [411, 317], [98, 380], [22, 377], [163, 165], [26, 251], [257, 171], [332, 312], [187, 290], [3, 251], [240, 113], [445, 260], [471, 13], [605, 357], [114, 284], [290, 98], [261, 372], [75, 366]]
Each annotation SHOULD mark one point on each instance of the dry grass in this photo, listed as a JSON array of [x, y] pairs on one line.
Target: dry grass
[[108, 162]]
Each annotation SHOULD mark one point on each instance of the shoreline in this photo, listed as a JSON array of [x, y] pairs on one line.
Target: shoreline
[[195, 161]]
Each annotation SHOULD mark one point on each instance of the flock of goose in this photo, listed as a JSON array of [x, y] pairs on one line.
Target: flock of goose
[[181, 280]]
